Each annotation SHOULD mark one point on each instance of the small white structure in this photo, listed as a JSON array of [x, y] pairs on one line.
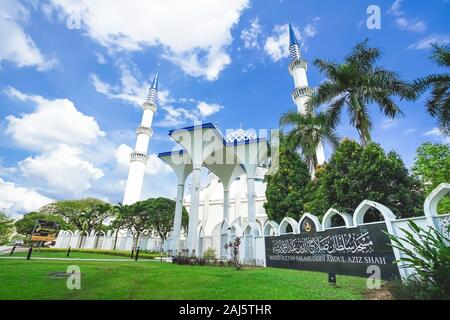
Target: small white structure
[[239, 155]]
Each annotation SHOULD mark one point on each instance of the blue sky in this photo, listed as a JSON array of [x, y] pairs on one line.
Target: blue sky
[[73, 73]]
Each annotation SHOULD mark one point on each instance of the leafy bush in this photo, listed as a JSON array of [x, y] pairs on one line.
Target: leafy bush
[[210, 254], [428, 253], [354, 174], [414, 289], [119, 253]]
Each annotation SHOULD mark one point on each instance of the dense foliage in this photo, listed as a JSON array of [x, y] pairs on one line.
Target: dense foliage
[[151, 216], [286, 187], [6, 228], [438, 104], [85, 214], [26, 224], [354, 174], [355, 84], [161, 216], [308, 132], [428, 253], [432, 167]]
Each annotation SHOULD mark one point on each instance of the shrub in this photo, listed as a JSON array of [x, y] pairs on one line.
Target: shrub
[[414, 289], [119, 253], [210, 254], [428, 253], [234, 246]]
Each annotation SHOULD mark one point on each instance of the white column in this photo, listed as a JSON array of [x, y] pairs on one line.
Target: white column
[[226, 205], [193, 214], [177, 220], [251, 199]]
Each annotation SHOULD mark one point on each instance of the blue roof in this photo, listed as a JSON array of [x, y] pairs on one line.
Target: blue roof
[[155, 81], [169, 153], [292, 37], [210, 126]]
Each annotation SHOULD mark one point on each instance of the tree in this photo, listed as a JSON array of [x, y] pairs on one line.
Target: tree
[[354, 174], [161, 215], [438, 104], [308, 132], [85, 214], [120, 213], [432, 167], [355, 84], [27, 223], [286, 187], [6, 228], [137, 220]]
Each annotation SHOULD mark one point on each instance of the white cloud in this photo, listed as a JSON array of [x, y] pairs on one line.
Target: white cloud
[[100, 58], [155, 165], [61, 171], [403, 23], [20, 200], [437, 133], [179, 116], [389, 123], [15, 44], [395, 9], [277, 44], [426, 42], [207, 110], [53, 122], [411, 25], [193, 35], [310, 31], [130, 90], [250, 36]]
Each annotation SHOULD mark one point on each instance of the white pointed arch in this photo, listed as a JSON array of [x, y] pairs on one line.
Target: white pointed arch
[[201, 231], [327, 219], [100, 233], [236, 230], [252, 229], [284, 224], [271, 228], [224, 227], [361, 210], [433, 199], [313, 218]]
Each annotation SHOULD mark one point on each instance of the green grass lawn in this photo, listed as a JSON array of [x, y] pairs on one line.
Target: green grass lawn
[[21, 279], [73, 255]]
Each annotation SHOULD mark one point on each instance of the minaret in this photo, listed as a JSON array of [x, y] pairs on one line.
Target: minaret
[[297, 69], [139, 157]]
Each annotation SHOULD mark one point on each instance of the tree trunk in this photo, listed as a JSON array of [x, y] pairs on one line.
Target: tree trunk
[[115, 239]]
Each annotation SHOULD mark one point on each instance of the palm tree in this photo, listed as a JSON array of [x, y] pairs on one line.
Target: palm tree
[[355, 84], [308, 132], [438, 104], [120, 212]]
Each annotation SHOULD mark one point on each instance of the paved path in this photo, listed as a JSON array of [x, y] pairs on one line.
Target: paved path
[[86, 259]]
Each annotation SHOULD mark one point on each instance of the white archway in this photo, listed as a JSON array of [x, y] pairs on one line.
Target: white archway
[[224, 238], [271, 229], [201, 235], [313, 218], [287, 221], [327, 219], [361, 210], [431, 202], [98, 240]]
